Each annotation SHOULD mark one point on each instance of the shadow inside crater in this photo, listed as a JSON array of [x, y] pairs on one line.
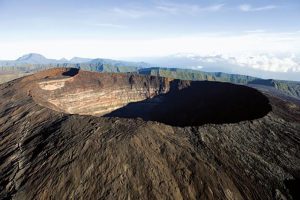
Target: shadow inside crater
[[199, 103], [293, 186], [71, 72]]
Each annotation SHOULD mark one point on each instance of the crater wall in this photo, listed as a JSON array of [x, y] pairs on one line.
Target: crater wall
[[173, 102], [88, 93]]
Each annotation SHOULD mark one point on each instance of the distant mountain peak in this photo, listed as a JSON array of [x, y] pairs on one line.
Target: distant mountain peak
[[63, 60], [80, 60], [31, 56], [34, 58]]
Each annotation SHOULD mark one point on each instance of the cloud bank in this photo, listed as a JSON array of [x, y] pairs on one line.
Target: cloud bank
[[250, 8]]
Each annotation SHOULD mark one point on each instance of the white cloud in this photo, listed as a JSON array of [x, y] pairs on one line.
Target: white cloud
[[264, 62], [255, 31], [165, 8], [250, 8], [134, 13], [176, 8], [268, 63], [199, 67], [108, 25], [215, 7]]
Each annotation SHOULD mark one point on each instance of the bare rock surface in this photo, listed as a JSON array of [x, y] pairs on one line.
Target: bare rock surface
[[69, 134]]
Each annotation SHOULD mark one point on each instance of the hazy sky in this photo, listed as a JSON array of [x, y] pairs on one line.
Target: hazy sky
[[119, 29]]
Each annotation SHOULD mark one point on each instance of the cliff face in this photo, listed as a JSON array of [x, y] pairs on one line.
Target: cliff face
[[46, 152], [88, 93]]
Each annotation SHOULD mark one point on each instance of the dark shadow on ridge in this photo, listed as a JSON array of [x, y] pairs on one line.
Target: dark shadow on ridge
[[199, 103], [71, 72], [293, 186]]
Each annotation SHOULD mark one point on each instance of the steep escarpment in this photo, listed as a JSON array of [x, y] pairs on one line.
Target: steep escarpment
[[48, 153], [88, 93]]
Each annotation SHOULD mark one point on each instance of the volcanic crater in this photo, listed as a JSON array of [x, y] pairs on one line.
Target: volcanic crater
[[173, 102], [55, 145]]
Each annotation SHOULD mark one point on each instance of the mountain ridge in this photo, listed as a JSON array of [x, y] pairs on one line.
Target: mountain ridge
[[32, 64], [36, 58]]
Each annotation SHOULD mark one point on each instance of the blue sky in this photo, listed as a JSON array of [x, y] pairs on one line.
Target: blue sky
[[124, 29], [143, 19]]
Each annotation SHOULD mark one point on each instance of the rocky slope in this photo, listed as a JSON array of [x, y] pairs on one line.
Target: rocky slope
[[55, 145]]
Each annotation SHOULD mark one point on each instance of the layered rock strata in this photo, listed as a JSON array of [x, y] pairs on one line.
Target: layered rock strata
[[88, 93]]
